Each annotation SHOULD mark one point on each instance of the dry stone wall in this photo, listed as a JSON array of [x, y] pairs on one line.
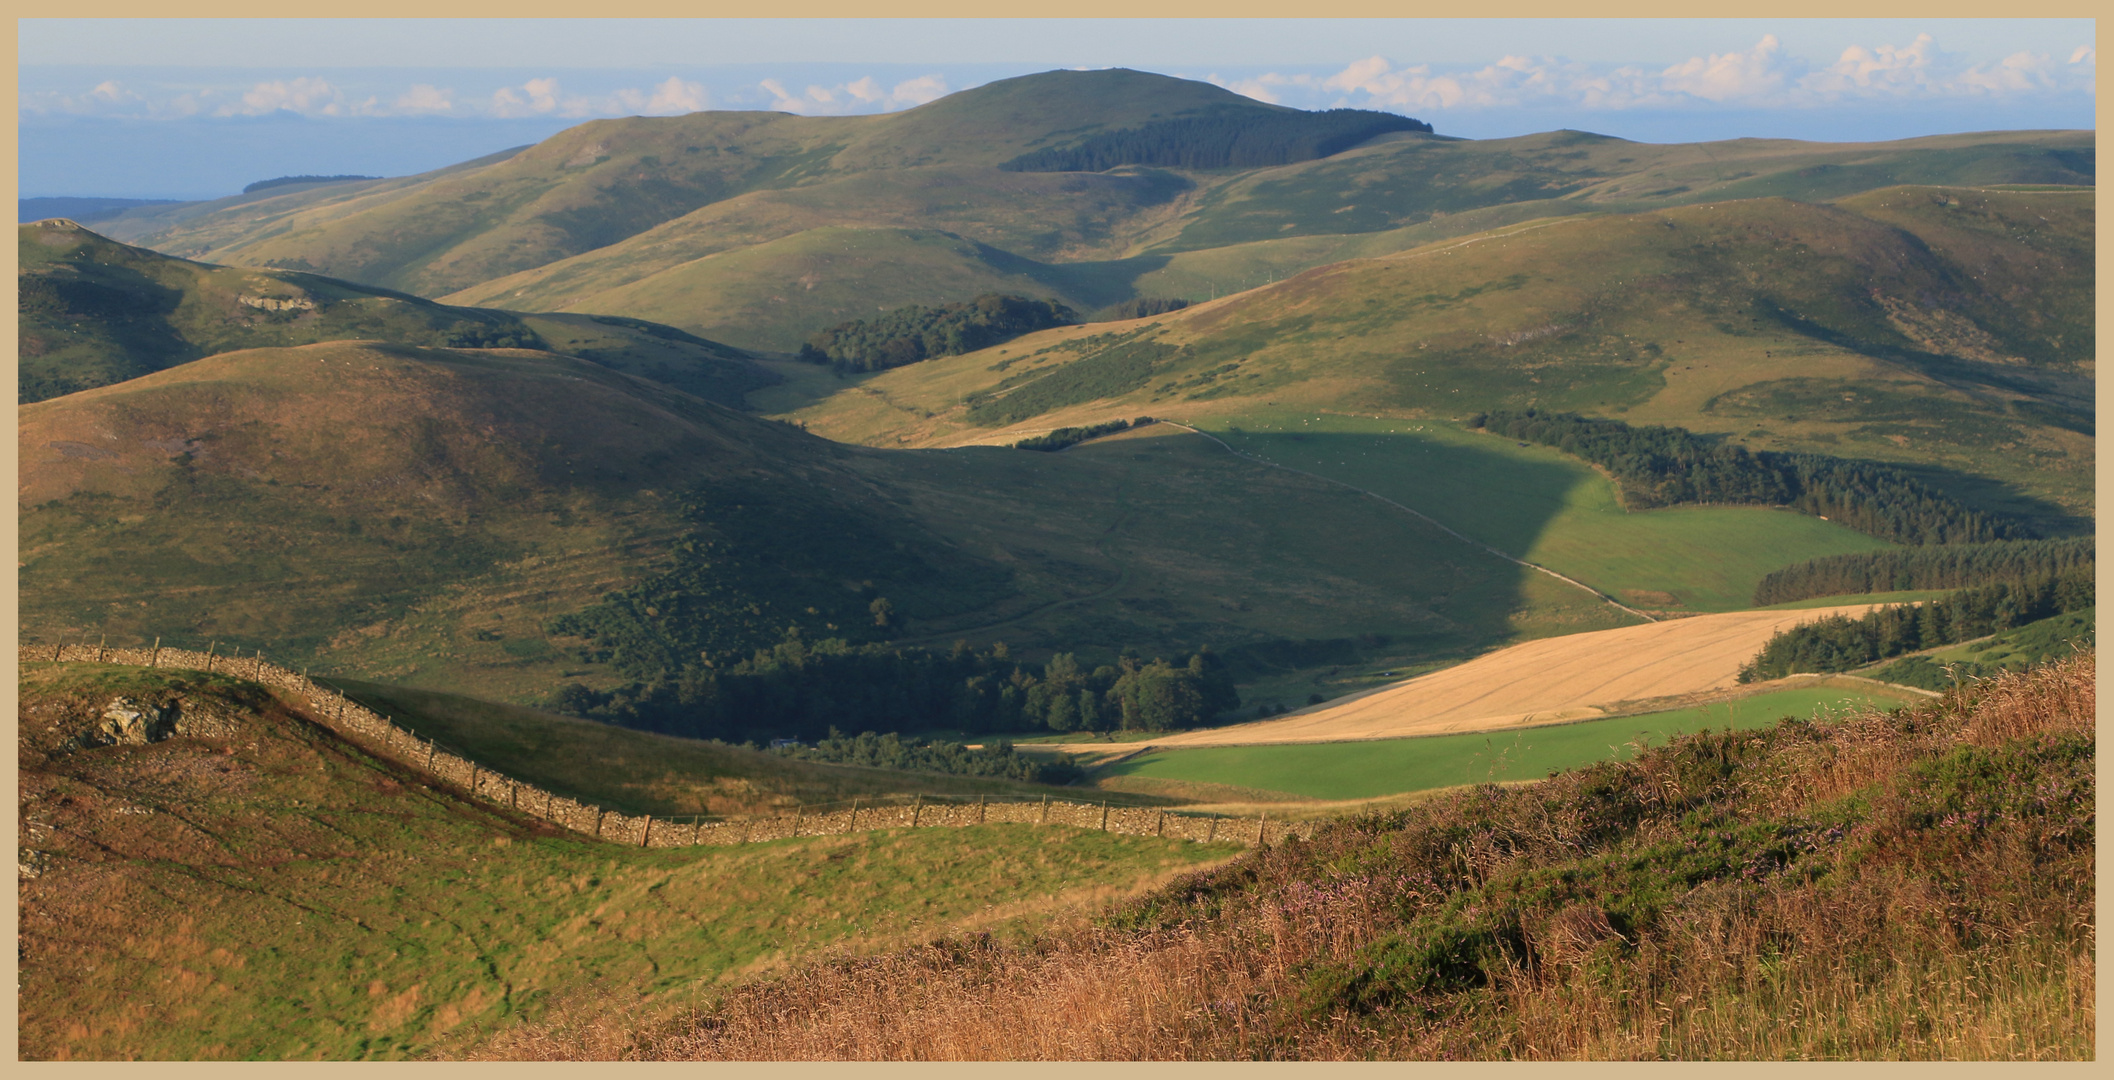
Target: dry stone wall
[[382, 736]]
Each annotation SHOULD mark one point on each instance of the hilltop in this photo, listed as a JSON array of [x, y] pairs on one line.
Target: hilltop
[[96, 312], [1159, 187]]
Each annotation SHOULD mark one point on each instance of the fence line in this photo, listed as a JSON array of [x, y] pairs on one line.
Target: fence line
[[380, 734]]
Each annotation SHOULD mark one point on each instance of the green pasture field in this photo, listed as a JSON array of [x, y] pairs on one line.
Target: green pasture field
[[1544, 506], [1355, 770], [282, 895], [2013, 650]]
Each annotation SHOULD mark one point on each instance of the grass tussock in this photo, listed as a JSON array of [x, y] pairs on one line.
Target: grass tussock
[[1897, 885]]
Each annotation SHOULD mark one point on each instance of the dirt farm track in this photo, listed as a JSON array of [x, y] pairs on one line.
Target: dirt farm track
[[1575, 677]]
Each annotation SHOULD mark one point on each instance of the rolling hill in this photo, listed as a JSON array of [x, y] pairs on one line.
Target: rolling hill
[[422, 515], [633, 217], [96, 312], [255, 886], [1947, 330]]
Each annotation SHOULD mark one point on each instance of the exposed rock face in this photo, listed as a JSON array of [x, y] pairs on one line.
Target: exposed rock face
[[135, 723]]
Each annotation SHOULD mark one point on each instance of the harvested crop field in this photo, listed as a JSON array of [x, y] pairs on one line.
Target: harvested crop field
[[1575, 677]]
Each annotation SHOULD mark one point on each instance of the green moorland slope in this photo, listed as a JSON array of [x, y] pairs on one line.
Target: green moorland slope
[[1946, 330], [1883, 886], [616, 216], [255, 888], [1102, 237], [421, 516], [96, 312]]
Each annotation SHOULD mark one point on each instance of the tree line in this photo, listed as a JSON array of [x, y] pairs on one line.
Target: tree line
[[1143, 307], [1072, 436], [892, 751], [1950, 566], [1840, 643], [282, 181], [801, 690], [1665, 466], [1228, 138], [912, 333]]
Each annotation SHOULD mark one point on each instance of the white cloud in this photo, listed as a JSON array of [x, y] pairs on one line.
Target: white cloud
[[1760, 72], [858, 95], [676, 96], [305, 95], [422, 98], [866, 90], [917, 91], [1762, 76], [533, 97]]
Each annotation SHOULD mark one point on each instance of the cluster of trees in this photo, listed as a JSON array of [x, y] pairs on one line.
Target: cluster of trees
[[1144, 307], [1228, 138], [1112, 372], [912, 333], [1951, 566], [1663, 466], [282, 181], [1072, 436], [802, 690], [1840, 643], [892, 751]]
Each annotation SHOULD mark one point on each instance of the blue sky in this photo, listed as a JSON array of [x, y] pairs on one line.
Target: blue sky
[[183, 109]]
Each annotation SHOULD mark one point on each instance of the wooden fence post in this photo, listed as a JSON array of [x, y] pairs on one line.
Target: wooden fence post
[[155, 660], [916, 808], [697, 829], [980, 809], [745, 829], [1213, 830], [599, 815], [1159, 827], [1260, 827], [209, 657], [1104, 815], [646, 833], [1045, 818], [854, 817], [796, 818], [99, 648]]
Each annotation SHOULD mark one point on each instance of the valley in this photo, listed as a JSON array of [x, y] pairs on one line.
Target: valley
[[1477, 525]]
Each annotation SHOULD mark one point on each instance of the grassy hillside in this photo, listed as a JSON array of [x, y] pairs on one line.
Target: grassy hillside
[[593, 219], [253, 888], [96, 312], [1779, 324], [1879, 887], [420, 516], [637, 772]]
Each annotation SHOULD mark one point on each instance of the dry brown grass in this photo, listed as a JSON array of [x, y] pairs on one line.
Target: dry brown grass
[[1893, 923]]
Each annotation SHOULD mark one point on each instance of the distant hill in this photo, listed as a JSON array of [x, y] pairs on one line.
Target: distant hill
[[94, 312], [1947, 329], [746, 227]]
